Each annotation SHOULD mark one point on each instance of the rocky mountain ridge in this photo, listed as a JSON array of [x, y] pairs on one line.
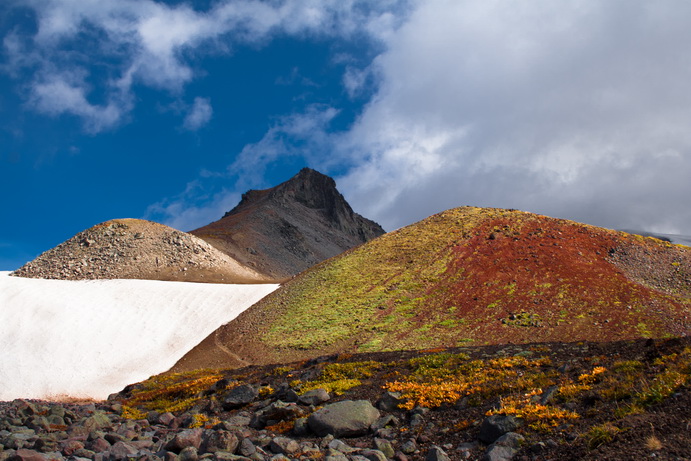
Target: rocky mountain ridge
[[137, 249], [286, 229]]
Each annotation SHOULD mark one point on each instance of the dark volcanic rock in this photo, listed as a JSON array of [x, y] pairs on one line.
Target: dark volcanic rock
[[286, 229]]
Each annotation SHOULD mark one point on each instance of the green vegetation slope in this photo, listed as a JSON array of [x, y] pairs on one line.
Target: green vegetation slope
[[467, 276]]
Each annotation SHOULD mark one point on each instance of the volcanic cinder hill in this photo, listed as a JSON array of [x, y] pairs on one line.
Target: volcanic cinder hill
[[286, 229], [137, 249], [467, 276]]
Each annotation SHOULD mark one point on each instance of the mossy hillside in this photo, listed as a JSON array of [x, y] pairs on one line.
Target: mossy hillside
[[461, 276]]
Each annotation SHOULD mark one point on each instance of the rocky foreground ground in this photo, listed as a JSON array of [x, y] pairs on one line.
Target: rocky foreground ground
[[620, 401]]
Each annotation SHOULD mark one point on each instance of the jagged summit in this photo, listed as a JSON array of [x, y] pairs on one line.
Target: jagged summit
[[314, 190], [286, 229]]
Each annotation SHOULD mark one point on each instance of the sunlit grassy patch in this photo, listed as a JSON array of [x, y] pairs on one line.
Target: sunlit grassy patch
[[174, 392], [444, 378], [339, 377]]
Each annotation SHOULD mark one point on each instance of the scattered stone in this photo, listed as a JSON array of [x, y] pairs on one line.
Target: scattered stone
[[437, 454], [348, 418], [240, 396], [284, 445], [390, 401], [184, 439], [374, 455], [219, 440], [337, 444], [385, 447], [409, 447], [314, 397], [504, 448], [495, 426]]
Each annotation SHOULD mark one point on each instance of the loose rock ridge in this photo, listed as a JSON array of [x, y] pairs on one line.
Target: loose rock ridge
[[137, 249]]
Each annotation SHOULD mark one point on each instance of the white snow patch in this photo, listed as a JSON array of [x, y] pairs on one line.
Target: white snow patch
[[88, 339]]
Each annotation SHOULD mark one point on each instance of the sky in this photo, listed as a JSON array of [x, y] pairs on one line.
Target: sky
[[170, 110], [91, 338]]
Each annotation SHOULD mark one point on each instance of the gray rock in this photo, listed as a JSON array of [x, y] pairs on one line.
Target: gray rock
[[184, 439], [384, 421], [409, 446], [122, 450], [218, 440], [225, 456], [417, 420], [239, 396], [339, 445], [275, 413], [385, 447], [499, 453], [166, 418], [300, 428], [436, 454], [373, 455], [548, 394], [335, 455], [314, 397], [284, 445], [504, 448], [349, 418], [390, 401], [99, 420], [495, 426], [188, 454], [246, 447], [286, 393], [238, 421]]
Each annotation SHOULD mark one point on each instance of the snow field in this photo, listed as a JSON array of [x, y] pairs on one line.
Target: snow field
[[88, 339]]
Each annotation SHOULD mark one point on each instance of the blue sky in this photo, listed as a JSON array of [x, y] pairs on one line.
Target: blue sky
[[170, 110]]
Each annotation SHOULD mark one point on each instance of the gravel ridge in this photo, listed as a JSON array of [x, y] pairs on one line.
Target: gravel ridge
[[137, 249]]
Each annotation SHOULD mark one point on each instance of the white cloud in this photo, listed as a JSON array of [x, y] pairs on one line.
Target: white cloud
[[151, 42], [199, 115], [576, 110], [58, 94], [557, 108]]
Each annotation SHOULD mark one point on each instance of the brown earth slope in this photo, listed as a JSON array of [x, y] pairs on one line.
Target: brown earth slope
[[467, 276], [286, 229], [137, 249]]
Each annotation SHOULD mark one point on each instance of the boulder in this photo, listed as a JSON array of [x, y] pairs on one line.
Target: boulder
[[284, 445], [504, 448], [314, 397], [239, 396], [495, 426], [275, 413], [219, 440], [349, 418], [184, 439], [437, 454], [389, 401]]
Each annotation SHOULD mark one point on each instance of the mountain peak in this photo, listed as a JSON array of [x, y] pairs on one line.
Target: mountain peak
[[309, 188], [290, 227]]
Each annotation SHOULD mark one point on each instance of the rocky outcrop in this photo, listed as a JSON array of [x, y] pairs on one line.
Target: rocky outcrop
[[137, 249], [286, 229]]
